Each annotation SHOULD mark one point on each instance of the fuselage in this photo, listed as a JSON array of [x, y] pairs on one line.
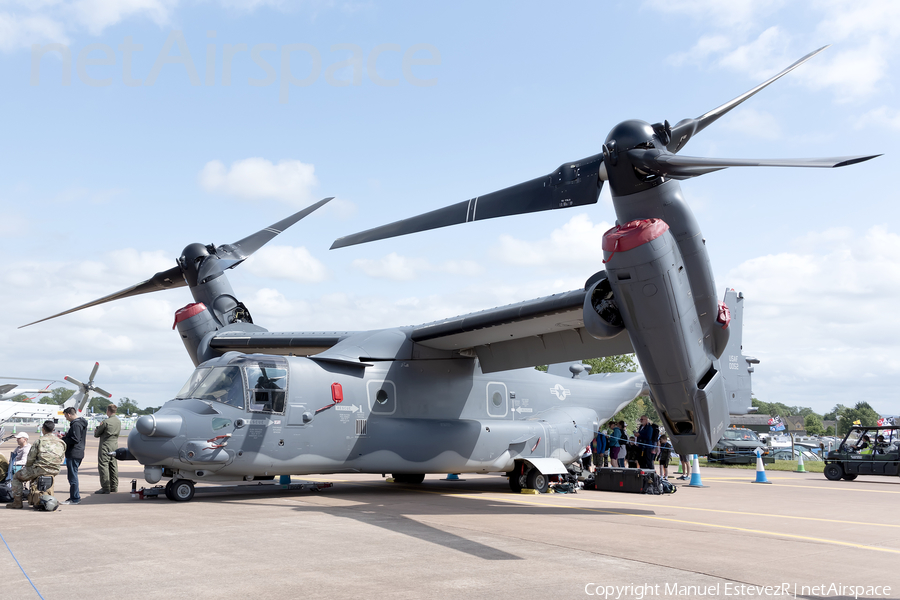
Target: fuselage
[[245, 416]]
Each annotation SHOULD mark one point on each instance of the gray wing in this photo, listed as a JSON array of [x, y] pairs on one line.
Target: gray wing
[[535, 332]]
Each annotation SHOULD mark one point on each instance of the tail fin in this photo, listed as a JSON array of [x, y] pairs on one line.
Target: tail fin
[[736, 367]]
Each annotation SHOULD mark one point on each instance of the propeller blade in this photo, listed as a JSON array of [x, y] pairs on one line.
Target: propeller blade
[[93, 372], [672, 165], [231, 255], [74, 381], [250, 244], [685, 129], [572, 184], [163, 280], [102, 392]]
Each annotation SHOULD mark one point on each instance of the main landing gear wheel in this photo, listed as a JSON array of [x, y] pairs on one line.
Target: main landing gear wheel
[[169, 485], [183, 490], [834, 472], [538, 481]]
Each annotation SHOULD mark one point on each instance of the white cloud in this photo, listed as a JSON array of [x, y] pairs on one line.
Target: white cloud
[[864, 35], [401, 268], [884, 118], [579, 239], [21, 31], [286, 262], [97, 15], [821, 318], [290, 181]]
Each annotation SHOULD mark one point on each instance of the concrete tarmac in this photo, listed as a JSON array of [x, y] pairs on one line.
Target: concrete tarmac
[[365, 538]]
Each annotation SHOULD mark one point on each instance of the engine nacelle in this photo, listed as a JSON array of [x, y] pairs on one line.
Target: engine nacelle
[[194, 322], [601, 314], [647, 276]]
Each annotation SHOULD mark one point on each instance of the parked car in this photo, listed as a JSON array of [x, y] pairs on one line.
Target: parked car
[[738, 447], [857, 456], [785, 454]]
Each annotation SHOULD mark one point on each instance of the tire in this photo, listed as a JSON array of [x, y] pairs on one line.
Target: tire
[[169, 485], [183, 490], [834, 472], [538, 481], [849, 476]]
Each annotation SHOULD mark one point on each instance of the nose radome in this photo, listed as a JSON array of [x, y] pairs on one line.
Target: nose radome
[[159, 425]]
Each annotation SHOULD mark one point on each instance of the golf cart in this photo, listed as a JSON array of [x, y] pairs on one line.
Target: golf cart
[[873, 451]]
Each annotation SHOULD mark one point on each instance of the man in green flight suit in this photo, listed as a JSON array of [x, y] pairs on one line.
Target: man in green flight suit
[[108, 432], [44, 458]]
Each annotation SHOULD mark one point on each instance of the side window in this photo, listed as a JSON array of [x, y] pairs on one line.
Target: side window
[[268, 387]]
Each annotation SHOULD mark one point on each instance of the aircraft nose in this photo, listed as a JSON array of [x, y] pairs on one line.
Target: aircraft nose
[[167, 425]]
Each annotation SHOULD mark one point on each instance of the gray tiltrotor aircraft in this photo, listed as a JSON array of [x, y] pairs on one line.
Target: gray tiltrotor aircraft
[[460, 395]]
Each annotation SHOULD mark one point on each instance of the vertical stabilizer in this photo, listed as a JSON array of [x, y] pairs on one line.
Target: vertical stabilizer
[[737, 367]]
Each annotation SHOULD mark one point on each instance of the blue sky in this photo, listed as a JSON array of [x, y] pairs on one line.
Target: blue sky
[[103, 185]]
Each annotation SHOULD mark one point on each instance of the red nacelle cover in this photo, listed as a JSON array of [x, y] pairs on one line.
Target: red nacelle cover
[[622, 238], [183, 314]]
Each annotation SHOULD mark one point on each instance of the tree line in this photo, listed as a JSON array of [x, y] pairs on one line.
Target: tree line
[[813, 421]]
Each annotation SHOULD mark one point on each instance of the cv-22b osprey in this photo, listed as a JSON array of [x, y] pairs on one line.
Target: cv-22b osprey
[[460, 395]]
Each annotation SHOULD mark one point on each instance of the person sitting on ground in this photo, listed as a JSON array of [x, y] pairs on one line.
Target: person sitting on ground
[[44, 458]]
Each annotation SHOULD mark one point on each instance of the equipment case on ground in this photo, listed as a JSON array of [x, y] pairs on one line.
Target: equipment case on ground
[[617, 479]]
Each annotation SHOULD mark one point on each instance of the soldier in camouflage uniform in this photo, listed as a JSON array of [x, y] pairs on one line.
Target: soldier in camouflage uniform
[[45, 458], [108, 432]]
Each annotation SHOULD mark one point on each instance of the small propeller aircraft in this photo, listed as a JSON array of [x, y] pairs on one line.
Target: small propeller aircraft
[[41, 412], [461, 395]]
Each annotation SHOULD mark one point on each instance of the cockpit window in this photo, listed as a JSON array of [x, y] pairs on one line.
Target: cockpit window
[[222, 384], [267, 385], [192, 382]]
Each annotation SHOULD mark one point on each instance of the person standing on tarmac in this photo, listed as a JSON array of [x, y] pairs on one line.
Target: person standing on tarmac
[[74, 440], [44, 458], [108, 432]]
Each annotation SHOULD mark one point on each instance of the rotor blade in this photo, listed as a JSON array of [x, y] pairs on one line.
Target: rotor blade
[[27, 379], [250, 244], [102, 392], [229, 256], [687, 128], [672, 165], [93, 372], [74, 381], [572, 184], [163, 280]]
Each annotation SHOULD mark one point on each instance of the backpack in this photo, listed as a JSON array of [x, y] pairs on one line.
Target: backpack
[[668, 488]]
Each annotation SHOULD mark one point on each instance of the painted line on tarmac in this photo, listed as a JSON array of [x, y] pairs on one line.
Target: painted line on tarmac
[[698, 523], [750, 514], [806, 487], [473, 494]]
